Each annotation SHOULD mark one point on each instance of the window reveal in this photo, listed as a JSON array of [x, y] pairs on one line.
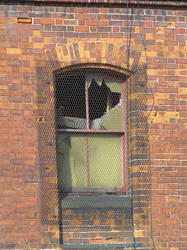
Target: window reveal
[[91, 127]]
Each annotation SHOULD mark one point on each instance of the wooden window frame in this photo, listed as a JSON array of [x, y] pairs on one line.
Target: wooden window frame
[[123, 137]]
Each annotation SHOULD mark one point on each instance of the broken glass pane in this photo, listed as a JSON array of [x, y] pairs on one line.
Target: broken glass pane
[[105, 105]]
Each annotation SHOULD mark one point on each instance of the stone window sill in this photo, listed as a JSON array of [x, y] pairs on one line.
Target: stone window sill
[[99, 201]]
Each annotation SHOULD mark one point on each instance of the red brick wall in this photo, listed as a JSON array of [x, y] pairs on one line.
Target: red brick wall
[[80, 34]]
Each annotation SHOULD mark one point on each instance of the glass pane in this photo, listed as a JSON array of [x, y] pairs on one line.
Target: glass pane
[[105, 160], [71, 160], [105, 103], [70, 102]]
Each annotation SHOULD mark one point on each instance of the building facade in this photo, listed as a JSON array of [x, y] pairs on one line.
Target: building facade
[[93, 117]]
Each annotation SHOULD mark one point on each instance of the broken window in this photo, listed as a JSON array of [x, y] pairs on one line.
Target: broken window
[[91, 131]]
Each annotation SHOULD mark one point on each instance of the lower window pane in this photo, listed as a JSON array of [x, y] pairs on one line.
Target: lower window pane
[[71, 160], [93, 161], [105, 160]]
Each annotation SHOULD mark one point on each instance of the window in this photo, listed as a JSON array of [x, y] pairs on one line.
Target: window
[[91, 130]]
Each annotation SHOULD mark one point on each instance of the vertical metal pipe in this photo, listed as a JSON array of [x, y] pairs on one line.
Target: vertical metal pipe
[[87, 104], [86, 137], [123, 138]]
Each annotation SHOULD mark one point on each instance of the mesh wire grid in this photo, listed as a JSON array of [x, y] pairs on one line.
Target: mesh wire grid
[[93, 133]]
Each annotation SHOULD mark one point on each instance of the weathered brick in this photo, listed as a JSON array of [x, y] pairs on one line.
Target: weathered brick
[[157, 139], [13, 51]]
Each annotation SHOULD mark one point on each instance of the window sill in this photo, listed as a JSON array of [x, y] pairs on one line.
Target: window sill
[[100, 201], [99, 246]]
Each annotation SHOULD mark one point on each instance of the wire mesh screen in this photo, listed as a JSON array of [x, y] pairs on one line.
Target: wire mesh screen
[[141, 101], [92, 136], [47, 142]]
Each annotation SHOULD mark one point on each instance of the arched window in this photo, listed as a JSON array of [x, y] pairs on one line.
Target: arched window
[[91, 121]]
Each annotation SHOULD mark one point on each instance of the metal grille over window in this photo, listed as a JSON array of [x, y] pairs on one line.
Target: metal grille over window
[[93, 151]]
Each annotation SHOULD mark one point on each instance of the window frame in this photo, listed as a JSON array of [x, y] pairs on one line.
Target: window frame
[[122, 133]]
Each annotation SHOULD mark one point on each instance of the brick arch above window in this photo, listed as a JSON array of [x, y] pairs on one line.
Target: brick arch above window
[[118, 71], [105, 51]]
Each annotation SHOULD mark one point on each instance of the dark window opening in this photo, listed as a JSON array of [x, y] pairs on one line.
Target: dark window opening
[[70, 95]]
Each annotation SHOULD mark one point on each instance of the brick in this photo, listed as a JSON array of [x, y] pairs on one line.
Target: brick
[[182, 90], [81, 29], [36, 33], [81, 16], [13, 51], [43, 21], [149, 23], [93, 23], [24, 20]]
